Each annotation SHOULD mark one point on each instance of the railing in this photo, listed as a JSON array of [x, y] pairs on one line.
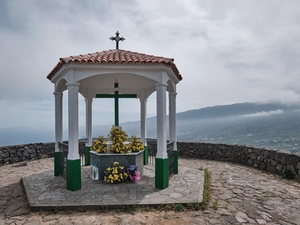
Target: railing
[[170, 151], [81, 150], [152, 150], [151, 159], [152, 143], [63, 149]]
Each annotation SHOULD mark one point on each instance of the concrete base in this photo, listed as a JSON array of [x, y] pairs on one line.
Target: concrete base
[[105, 160], [73, 175], [161, 173], [45, 191]]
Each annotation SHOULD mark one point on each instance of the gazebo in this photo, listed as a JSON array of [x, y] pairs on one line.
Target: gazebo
[[115, 73]]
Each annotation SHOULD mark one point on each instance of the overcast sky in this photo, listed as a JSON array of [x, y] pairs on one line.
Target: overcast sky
[[227, 51]]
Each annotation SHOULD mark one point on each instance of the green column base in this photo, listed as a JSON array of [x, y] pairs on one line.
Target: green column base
[[57, 157], [175, 162], [161, 173], [73, 175], [87, 160], [146, 155]]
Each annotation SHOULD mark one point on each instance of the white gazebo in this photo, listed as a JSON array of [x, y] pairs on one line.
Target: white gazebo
[[115, 73]]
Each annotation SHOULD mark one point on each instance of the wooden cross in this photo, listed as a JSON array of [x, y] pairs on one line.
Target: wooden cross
[[116, 96], [117, 39]]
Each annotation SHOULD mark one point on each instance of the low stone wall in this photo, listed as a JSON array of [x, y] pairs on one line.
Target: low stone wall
[[26, 152], [278, 162]]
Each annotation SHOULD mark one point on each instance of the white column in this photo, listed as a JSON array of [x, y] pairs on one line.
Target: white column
[[143, 120], [161, 121], [88, 117], [172, 118], [73, 120], [58, 119]]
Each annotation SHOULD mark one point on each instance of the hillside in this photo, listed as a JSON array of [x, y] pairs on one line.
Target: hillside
[[271, 125], [239, 109]]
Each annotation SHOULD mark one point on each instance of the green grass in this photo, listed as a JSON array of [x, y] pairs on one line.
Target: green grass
[[55, 210], [215, 205], [206, 191], [179, 207]]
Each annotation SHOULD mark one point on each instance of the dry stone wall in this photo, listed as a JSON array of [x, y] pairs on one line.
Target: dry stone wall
[[19, 153], [26, 152], [278, 162]]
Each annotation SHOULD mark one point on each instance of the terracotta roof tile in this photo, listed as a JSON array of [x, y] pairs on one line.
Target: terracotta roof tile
[[116, 56]]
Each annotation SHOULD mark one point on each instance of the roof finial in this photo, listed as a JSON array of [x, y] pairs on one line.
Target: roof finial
[[117, 39]]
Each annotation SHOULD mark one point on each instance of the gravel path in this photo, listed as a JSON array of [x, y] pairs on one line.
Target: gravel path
[[239, 195]]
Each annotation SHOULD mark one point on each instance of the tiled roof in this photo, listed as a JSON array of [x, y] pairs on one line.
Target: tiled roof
[[116, 56]]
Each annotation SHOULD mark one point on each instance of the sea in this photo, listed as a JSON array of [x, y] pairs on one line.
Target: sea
[[19, 136]]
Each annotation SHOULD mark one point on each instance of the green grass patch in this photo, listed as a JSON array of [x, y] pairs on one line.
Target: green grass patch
[[179, 207], [215, 205], [55, 210], [206, 191], [287, 174]]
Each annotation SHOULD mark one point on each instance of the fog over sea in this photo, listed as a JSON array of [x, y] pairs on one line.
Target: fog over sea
[[16, 136], [271, 125]]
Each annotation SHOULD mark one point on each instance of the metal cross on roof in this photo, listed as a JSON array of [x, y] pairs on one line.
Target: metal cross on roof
[[117, 39]]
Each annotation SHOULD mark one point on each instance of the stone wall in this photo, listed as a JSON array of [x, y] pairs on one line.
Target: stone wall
[[19, 153], [278, 162], [26, 152]]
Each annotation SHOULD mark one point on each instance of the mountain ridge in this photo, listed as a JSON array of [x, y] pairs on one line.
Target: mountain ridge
[[236, 109], [270, 125]]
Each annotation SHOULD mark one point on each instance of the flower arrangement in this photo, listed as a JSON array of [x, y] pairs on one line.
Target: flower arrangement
[[115, 174], [133, 173], [118, 137], [136, 144], [99, 145]]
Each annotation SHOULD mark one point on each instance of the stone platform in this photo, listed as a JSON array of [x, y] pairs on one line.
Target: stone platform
[[45, 191]]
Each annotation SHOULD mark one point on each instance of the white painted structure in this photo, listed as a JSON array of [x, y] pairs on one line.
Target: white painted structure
[[96, 73]]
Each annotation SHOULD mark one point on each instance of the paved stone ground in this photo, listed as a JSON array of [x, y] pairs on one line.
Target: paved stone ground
[[240, 195], [44, 190]]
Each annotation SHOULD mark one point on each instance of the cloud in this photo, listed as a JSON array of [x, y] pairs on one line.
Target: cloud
[[263, 113], [227, 51]]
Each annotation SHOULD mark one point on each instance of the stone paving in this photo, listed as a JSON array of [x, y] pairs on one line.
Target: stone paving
[[44, 191], [239, 195]]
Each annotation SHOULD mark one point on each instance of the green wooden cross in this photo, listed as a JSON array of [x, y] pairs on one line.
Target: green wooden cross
[[116, 96]]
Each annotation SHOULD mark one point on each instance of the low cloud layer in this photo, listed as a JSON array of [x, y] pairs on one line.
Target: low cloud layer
[[227, 51], [263, 113]]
